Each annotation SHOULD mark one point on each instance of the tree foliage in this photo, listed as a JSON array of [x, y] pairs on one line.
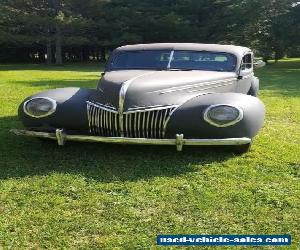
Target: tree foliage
[[83, 30]]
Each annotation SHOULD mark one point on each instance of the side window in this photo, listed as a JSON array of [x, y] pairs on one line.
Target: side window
[[247, 62]]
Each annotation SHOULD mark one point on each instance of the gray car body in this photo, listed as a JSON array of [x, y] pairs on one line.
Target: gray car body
[[190, 93]]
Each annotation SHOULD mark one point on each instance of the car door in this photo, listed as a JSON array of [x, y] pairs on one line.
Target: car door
[[245, 74]]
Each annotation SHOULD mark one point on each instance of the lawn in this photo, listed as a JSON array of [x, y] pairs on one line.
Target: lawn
[[111, 196]]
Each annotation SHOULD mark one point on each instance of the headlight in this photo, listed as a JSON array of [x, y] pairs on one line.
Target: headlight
[[40, 107], [223, 115]]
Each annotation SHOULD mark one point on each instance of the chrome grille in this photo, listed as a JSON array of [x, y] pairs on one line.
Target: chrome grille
[[146, 123], [103, 120]]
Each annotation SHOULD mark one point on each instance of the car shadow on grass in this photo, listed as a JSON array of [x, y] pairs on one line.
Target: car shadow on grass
[[23, 156]]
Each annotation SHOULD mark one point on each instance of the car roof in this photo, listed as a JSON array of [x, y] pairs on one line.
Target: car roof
[[239, 51]]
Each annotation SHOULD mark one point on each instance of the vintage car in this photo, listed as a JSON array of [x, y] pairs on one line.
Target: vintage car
[[167, 93]]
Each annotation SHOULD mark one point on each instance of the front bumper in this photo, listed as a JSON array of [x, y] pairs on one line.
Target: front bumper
[[61, 137]]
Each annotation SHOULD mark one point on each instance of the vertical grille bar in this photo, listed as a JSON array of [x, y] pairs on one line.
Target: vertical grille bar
[[163, 123], [138, 124], [93, 120], [135, 125], [89, 116], [97, 120], [116, 125], [102, 122], [143, 124], [152, 125], [129, 125], [126, 126], [156, 135], [106, 124], [109, 124], [147, 124]]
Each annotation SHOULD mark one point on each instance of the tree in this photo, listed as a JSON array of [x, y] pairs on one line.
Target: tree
[[82, 30], [270, 28]]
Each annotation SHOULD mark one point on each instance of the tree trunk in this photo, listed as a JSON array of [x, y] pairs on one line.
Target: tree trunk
[[58, 55], [49, 53], [102, 51], [85, 53]]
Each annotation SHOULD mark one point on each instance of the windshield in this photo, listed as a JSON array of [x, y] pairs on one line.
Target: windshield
[[173, 60]]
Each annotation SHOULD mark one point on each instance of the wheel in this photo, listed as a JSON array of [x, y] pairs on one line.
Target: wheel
[[242, 149], [254, 87], [253, 92]]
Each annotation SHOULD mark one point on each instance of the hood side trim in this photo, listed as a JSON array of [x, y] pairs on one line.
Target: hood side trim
[[195, 85]]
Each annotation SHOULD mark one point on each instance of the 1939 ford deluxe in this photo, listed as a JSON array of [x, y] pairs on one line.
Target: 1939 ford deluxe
[[169, 93]]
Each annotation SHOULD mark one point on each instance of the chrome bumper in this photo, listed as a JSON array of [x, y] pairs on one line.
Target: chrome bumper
[[61, 137]]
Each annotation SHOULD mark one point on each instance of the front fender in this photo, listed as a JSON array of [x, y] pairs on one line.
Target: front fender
[[188, 119], [71, 111]]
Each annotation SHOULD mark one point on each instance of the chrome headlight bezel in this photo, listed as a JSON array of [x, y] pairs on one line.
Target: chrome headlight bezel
[[208, 119], [49, 112]]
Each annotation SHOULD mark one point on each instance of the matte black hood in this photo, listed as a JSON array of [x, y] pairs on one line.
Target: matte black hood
[[144, 88]]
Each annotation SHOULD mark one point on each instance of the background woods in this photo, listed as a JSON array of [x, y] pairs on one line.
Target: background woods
[[57, 31]]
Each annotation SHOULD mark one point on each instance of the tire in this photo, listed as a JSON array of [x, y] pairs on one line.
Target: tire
[[242, 149], [252, 92]]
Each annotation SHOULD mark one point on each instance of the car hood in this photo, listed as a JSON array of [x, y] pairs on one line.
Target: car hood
[[147, 88]]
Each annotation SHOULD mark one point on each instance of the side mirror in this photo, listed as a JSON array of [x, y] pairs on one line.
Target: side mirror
[[259, 64]]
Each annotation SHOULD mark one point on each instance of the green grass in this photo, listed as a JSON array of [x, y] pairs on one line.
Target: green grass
[[110, 196]]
